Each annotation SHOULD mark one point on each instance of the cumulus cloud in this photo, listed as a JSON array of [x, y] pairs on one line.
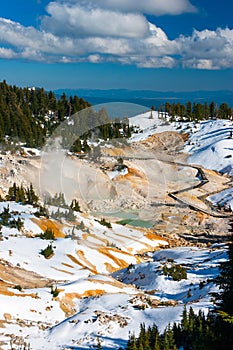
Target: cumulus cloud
[[152, 7], [7, 53], [207, 49], [44, 44], [13, 33], [78, 21], [143, 61], [72, 32]]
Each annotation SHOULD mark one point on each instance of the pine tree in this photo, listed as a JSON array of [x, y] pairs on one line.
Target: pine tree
[[157, 342], [75, 205], [86, 148], [12, 193], [28, 115], [170, 338], [212, 109], [32, 198], [225, 280], [177, 334], [191, 318], [21, 195], [69, 215], [5, 216], [146, 344], [189, 110], [131, 344], [153, 334], [77, 146]]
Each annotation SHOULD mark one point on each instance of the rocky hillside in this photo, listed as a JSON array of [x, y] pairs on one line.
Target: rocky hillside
[[73, 279]]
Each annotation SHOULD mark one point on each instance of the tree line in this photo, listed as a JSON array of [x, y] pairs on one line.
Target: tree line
[[194, 332], [29, 115], [106, 129], [196, 111]]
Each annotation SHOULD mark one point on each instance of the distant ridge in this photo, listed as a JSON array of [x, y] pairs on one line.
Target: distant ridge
[[149, 97]]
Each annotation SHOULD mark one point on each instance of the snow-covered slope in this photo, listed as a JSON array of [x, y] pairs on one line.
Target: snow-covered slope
[[210, 142], [224, 198], [111, 317], [150, 277], [85, 253], [148, 124], [92, 301], [211, 145]]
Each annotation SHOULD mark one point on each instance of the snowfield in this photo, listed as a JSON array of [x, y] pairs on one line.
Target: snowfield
[[91, 303], [224, 198], [211, 146], [147, 126], [79, 268], [210, 142], [110, 317]]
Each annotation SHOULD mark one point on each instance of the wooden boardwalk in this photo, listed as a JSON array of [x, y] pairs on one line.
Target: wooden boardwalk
[[211, 210]]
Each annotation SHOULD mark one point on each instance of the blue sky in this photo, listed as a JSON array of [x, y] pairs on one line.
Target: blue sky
[[161, 45]]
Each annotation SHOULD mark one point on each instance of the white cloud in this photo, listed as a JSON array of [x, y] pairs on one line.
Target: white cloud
[[78, 21], [207, 49], [199, 64], [73, 33], [152, 7], [149, 61], [7, 53], [22, 37]]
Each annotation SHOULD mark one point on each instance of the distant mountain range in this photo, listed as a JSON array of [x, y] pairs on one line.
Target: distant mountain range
[[148, 97]]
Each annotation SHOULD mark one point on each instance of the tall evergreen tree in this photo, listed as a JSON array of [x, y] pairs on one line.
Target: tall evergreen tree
[[225, 279], [32, 198]]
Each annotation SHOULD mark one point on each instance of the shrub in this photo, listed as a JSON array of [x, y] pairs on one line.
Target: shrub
[[130, 266], [7, 220], [5, 216], [58, 200], [54, 292], [104, 223], [48, 235], [201, 284], [177, 272], [42, 211], [67, 214], [75, 205], [47, 252], [81, 226], [16, 224], [18, 287]]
